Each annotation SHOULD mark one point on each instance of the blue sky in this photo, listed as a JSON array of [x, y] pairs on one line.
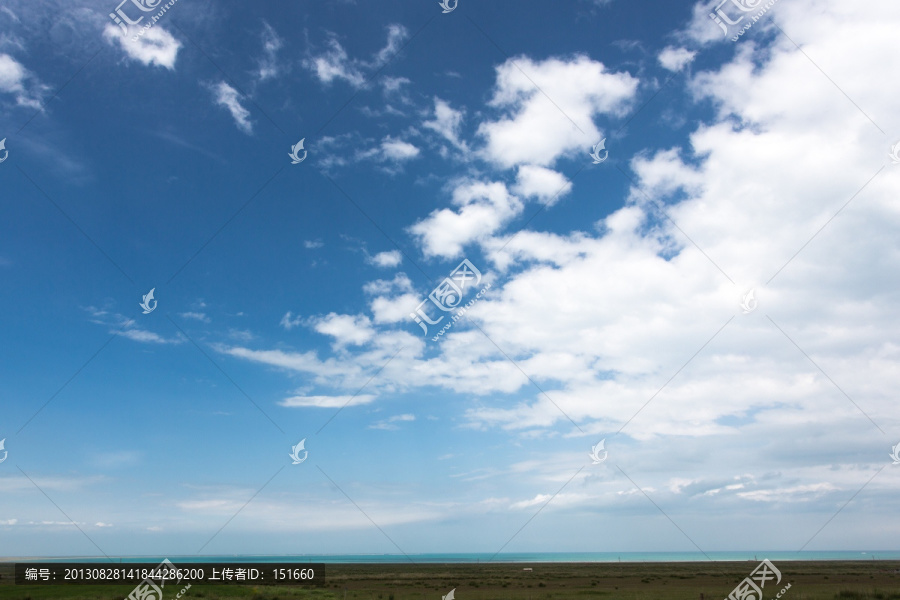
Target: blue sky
[[618, 306]]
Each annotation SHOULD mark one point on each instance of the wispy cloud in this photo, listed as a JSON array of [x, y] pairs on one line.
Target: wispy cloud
[[229, 98], [335, 64], [390, 423], [268, 63], [327, 401]]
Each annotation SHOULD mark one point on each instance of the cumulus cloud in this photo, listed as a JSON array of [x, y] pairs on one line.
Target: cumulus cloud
[[548, 108], [483, 207], [546, 185], [156, 47], [347, 330], [675, 59], [391, 152], [229, 98], [644, 304], [398, 150], [390, 258]]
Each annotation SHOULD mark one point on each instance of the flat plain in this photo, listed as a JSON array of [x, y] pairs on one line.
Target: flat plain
[[819, 580]]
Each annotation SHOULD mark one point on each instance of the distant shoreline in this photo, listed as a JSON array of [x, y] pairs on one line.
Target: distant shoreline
[[486, 558]]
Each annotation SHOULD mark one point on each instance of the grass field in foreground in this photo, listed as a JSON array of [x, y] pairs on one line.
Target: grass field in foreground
[[546, 581]]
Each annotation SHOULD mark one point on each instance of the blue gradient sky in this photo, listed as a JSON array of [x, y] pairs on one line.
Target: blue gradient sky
[[284, 291]]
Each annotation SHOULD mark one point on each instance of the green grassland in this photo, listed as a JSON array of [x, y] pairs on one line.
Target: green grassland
[[546, 581]]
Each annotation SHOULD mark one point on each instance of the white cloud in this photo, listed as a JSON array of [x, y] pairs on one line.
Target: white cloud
[[157, 46], [391, 151], [797, 493], [390, 424], [548, 108], [347, 330], [14, 79], [289, 321], [334, 63], [389, 258], [268, 64], [142, 335], [675, 59], [312, 244], [119, 324], [395, 38], [542, 183], [556, 501], [196, 316], [400, 282], [398, 150], [228, 97], [447, 122], [391, 309], [483, 209], [608, 315], [394, 309], [393, 84], [327, 401]]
